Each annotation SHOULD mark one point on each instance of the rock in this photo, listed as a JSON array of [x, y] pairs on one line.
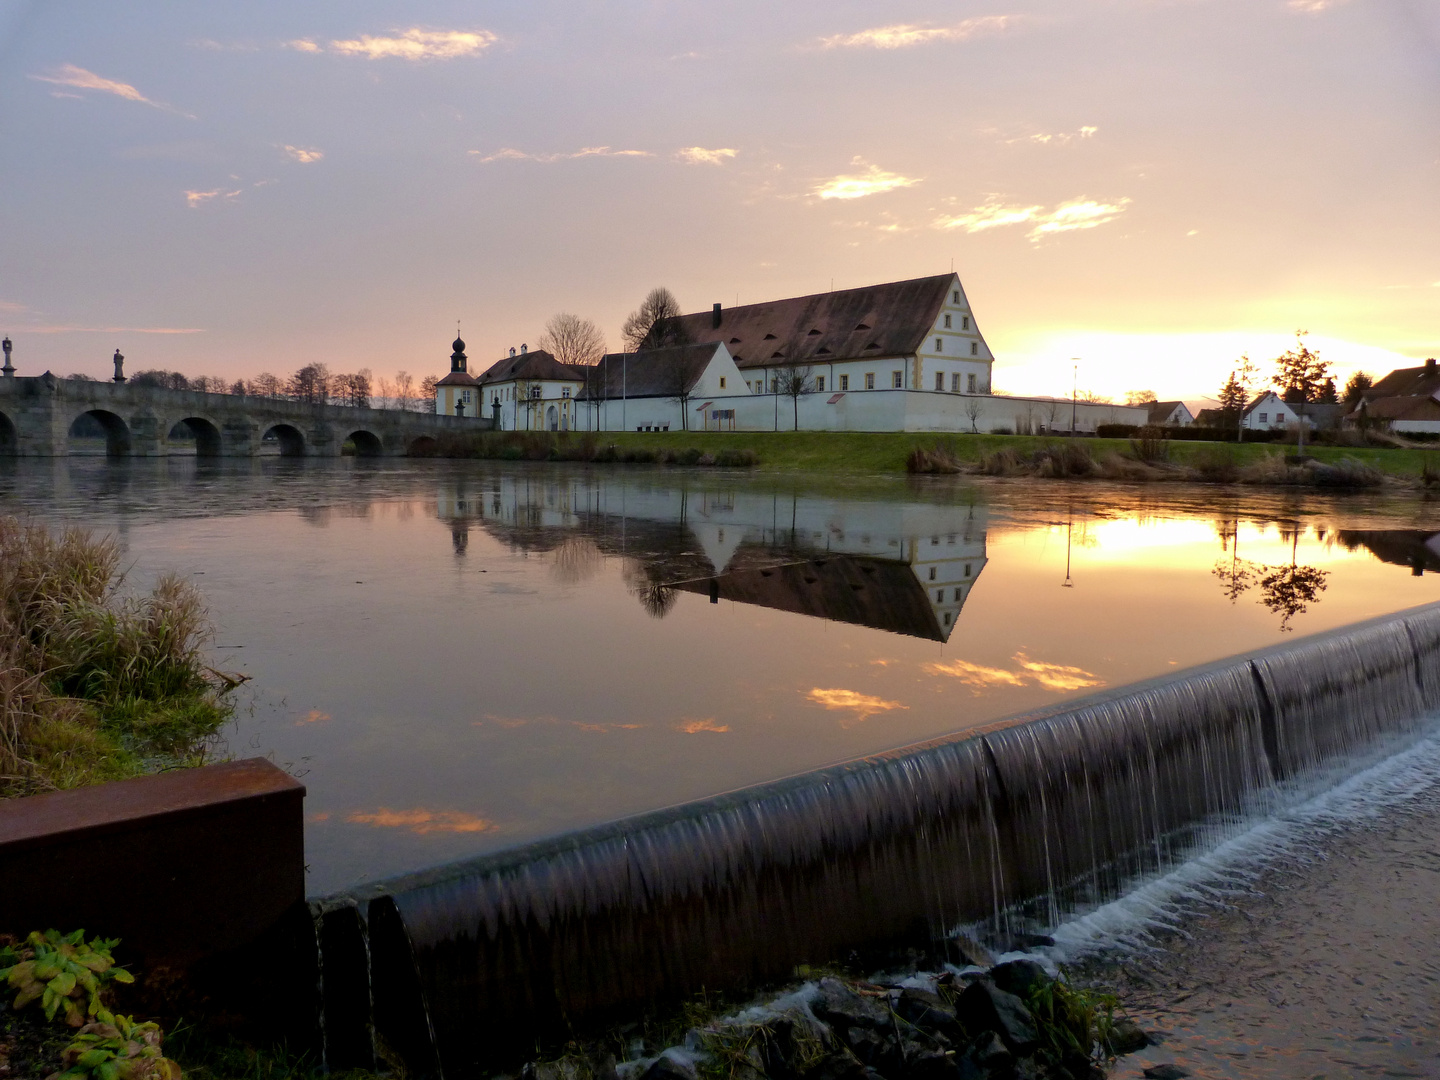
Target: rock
[[1020, 977], [1166, 1071], [1126, 1036], [930, 1014], [985, 1007], [837, 1065], [840, 1007], [971, 951], [933, 1066], [669, 1067]]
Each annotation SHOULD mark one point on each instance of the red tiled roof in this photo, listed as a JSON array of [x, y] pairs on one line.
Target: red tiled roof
[[535, 365], [877, 320]]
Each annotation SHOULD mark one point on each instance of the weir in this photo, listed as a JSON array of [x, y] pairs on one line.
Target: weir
[[1036, 813]]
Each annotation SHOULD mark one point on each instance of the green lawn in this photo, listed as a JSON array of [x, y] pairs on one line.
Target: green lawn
[[852, 453]]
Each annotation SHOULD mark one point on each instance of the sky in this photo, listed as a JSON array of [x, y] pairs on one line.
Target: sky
[[1144, 188]]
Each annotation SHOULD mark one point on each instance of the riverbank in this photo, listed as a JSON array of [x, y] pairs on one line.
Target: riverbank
[[869, 453], [97, 684], [1325, 963]]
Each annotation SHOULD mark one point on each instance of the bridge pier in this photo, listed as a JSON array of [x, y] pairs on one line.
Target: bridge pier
[[36, 414]]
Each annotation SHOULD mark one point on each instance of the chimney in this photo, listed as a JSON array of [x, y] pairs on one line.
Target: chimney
[[512, 350], [715, 317], [1430, 366], [523, 348]]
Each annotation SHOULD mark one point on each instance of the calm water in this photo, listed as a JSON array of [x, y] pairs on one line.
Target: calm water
[[458, 657]]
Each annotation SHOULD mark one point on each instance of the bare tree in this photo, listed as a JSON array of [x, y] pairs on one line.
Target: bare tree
[[265, 385], [1052, 416], [973, 408], [1140, 397], [238, 388], [311, 384], [426, 400], [655, 323], [573, 340], [404, 390], [677, 381], [352, 390], [795, 382]]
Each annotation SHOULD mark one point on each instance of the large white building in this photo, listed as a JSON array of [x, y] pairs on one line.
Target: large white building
[[531, 391]]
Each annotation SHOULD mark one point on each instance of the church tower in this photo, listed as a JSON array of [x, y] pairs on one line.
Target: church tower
[[455, 394]]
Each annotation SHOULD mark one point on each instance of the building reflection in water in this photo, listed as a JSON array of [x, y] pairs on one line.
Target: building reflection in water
[[906, 568]]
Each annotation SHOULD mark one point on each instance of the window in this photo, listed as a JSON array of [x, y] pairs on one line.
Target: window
[[819, 384], [947, 322], [957, 594], [932, 573], [1264, 417], [939, 380], [565, 391], [897, 379], [974, 348], [722, 382], [955, 296], [844, 382], [774, 386], [939, 345], [969, 383], [869, 380], [964, 322]]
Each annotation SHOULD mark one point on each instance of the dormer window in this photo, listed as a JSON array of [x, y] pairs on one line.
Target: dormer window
[[769, 337], [955, 296], [862, 326], [813, 333], [734, 341]]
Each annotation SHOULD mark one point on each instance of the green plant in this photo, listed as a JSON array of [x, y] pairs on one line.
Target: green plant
[[63, 971], [117, 1049], [1071, 1020]]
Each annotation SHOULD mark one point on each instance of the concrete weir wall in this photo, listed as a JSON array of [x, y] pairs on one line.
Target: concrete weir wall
[[36, 415], [182, 867]]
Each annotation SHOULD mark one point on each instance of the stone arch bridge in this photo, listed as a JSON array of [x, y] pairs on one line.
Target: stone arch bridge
[[36, 415]]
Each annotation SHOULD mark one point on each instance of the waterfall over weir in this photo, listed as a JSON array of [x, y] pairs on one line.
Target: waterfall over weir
[[890, 850]]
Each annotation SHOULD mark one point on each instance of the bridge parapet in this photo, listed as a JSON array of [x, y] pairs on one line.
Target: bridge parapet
[[36, 414]]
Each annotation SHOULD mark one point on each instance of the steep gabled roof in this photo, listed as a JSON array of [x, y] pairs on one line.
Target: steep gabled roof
[[851, 324], [533, 366], [651, 373], [457, 378], [1420, 381], [1160, 410]]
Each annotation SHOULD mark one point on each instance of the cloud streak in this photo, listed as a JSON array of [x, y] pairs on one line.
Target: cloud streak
[[906, 35], [411, 44], [194, 199], [509, 153], [304, 156], [863, 706], [80, 79], [873, 181], [698, 155], [1075, 215]]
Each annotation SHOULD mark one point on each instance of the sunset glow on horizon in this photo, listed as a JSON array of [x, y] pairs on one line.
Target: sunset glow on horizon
[[1145, 191]]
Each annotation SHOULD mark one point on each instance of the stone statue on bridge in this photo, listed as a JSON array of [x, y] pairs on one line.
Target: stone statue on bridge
[[9, 369], [119, 367]]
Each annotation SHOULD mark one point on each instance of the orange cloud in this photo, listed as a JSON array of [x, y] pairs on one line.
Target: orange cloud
[[863, 706], [80, 79], [412, 44], [873, 181], [422, 821], [1050, 676], [314, 716], [693, 727], [904, 35]]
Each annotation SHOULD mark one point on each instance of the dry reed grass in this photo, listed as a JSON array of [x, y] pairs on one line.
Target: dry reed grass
[[96, 684]]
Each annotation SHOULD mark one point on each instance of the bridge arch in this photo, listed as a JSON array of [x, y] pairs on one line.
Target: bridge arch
[[205, 433], [117, 432], [290, 438], [366, 443], [424, 446], [9, 437]]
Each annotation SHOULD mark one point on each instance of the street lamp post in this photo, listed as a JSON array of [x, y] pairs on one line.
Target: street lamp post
[[1074, 384]]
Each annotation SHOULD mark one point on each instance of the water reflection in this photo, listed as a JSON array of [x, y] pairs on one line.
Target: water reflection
[[460, 656], [1287, 589], [879, 564]]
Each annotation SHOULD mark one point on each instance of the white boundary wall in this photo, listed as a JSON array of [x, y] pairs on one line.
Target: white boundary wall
[[864, 410]]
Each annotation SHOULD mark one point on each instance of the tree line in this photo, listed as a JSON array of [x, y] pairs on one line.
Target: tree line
[[313, 384]]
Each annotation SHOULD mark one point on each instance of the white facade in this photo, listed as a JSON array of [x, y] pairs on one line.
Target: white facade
[[448, 397], [1269, 411], [533, 405], [864, 410], [718, 384]]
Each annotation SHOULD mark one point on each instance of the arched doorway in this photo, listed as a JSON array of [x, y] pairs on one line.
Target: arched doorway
[[424, 446], [99, 432], [284, 440], [9, 437], [197, 432], [552, 418], [362, 444]]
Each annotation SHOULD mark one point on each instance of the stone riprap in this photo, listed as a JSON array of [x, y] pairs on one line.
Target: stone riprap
[[36, 415]]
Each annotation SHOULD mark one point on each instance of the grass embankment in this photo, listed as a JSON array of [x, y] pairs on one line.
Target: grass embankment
[[96, 684], [868, 453]]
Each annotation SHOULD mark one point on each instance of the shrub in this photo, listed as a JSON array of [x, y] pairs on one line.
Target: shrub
[[1216, 465], [62, 972], [737, 459], [937, 459], [1115, 431], [1151, 445]]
